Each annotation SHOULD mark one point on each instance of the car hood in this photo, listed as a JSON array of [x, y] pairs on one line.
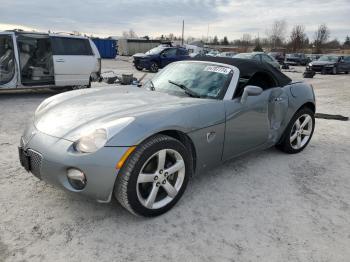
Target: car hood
[[70, 114], [141, 55], [321, 63]]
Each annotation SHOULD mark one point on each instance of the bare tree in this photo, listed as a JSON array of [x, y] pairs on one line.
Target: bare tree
[[246, 41], [277, 32], [321, 37], [298, 37], [129, 34]]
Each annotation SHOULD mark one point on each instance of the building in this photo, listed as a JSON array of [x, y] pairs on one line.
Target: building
[[129, 47]]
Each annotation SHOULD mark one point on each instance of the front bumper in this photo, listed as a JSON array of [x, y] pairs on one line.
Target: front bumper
[[144, 63], [54, 156], [322, 68]]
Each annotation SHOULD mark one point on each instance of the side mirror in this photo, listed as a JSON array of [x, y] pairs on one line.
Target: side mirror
[[250, 91], [163, 55]]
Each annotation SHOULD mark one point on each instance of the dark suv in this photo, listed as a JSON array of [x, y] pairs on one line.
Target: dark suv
[[159, 57], [331, 64], [297, 59]]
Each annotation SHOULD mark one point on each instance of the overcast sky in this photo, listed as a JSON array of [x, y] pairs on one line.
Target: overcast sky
[[156, 17]]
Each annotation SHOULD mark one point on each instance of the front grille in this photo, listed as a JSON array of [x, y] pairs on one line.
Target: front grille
[[35, 162], [317, 68]]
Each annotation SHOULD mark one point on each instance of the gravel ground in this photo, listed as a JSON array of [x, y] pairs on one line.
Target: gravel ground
[[265, 206]]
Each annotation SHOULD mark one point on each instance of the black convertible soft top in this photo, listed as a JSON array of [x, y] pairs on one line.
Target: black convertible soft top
[[248, 68]]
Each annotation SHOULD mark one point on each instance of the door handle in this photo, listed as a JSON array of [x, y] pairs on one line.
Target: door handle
[[60, 60]]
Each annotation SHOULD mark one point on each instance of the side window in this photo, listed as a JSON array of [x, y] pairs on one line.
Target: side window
[[70, 46], [170, 52], [263, 80], [347, 59], [257, 58], [182, 52], [266, 58]]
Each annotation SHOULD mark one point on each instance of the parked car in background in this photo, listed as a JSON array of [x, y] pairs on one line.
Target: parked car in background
[[313, 57], [296, 59], [212, 53], [331, 64], [260, 57], [37, 60], [227, 54], [278, 56], [159, 57], [143, 145]]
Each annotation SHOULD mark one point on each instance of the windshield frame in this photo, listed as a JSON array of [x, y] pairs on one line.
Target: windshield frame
[[227, 92]]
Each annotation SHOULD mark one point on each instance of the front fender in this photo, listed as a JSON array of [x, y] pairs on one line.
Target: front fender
[[185, 119]]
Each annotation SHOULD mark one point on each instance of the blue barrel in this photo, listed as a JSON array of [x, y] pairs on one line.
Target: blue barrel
[[106, 47]]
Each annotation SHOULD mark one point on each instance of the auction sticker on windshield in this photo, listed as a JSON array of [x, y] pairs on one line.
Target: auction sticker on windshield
[[218, 69]]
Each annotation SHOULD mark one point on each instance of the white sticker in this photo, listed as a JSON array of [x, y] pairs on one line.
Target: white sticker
[[218, 69]]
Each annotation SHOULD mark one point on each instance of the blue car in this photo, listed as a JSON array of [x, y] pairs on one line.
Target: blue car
[[159, 57]]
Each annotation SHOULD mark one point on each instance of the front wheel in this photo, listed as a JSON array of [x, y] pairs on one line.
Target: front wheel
[[154, 177], [299, 132], [334, 71], [154, 67], [139, 68]]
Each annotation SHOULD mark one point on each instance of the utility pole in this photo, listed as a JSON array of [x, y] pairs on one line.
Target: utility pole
[[183, 32], [208, 35]]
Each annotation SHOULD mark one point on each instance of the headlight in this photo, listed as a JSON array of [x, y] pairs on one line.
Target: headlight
[[92, 142], [92, 138], [310, 65]]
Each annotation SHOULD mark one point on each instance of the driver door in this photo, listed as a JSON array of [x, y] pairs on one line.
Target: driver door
[[247, 124], [8, 61], [168, 56]]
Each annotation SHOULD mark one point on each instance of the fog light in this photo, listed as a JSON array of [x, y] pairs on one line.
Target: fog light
[[76, 178]]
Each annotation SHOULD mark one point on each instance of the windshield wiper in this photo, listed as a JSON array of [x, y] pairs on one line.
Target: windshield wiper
[[187, 90], [152, 85]]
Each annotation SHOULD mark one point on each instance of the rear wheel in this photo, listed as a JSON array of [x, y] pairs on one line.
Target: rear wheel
[[154, 177], [299, 132]]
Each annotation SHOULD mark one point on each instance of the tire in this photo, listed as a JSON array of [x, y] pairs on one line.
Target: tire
[[133, 190], [154, 67], [290, 145], [139, 68], [346, 72], [335, 70]]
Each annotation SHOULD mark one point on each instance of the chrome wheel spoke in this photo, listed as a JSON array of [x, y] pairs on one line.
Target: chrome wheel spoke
[[145, 178], [297, 124], [176, 167], [299, 141], [171, 191], [161, 159], [152, 196], [293, 137], [305, 122]]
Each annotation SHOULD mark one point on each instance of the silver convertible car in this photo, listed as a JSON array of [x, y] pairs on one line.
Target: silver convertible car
[[142, 145]]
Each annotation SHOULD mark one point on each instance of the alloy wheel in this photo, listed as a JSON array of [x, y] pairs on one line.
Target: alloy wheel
[[301, 131], [160, 179]]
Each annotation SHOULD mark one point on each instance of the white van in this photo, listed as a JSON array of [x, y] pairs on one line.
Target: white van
[[37, 60]]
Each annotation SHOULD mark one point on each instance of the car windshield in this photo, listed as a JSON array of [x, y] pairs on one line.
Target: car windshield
[[155, 50], [244, 55], [293, 55], [328, 58], [195, 79]]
